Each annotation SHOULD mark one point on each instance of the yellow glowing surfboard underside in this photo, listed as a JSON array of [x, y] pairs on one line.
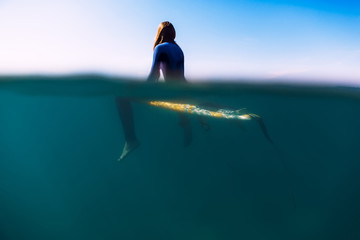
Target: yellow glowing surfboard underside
[[240, 114]]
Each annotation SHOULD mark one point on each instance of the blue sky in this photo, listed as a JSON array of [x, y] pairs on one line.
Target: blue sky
[[271, 40]]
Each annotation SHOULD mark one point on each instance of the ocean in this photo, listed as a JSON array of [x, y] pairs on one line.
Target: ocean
[[61, 136]]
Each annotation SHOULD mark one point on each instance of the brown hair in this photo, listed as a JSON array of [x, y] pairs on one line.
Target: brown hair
[[165, 33]]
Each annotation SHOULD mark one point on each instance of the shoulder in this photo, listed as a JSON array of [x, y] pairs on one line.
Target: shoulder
[[162, 46], [167, 45], [168, 48]]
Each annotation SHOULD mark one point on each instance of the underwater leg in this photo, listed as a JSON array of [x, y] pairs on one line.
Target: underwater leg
[[127, 120], [204, 124], [185, 123]]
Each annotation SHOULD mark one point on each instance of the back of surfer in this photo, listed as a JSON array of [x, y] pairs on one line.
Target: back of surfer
[[169, 58]]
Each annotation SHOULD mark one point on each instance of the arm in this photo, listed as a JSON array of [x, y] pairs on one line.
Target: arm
[[155, 68]]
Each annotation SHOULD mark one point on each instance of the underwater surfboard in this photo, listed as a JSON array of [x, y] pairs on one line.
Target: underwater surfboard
[[239, 114]]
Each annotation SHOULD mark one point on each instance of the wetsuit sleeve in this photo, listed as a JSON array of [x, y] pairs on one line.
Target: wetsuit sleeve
[[155, 68]]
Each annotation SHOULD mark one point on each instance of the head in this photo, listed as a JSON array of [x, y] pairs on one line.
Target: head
[[165, 33]]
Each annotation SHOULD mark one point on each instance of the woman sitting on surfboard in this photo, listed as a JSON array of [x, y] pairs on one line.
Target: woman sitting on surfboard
[[169, 58]]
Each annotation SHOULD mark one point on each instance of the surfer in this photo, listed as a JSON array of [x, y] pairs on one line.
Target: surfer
[[169, 58]]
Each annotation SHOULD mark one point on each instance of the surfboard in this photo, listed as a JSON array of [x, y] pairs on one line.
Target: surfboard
[[240, 114], [225, 113]]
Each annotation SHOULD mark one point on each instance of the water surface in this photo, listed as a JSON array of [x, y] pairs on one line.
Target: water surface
[[60, 137]]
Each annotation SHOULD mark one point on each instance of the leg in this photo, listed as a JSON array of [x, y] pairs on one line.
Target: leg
[[127, 120], [185, 123], [204, 124]]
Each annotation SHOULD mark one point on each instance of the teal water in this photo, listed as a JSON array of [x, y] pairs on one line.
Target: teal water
[[60, 138]]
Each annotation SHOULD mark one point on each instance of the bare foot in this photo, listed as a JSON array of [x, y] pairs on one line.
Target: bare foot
[[128, 148]]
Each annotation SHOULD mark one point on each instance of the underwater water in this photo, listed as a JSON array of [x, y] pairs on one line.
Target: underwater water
[[60, 138]]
